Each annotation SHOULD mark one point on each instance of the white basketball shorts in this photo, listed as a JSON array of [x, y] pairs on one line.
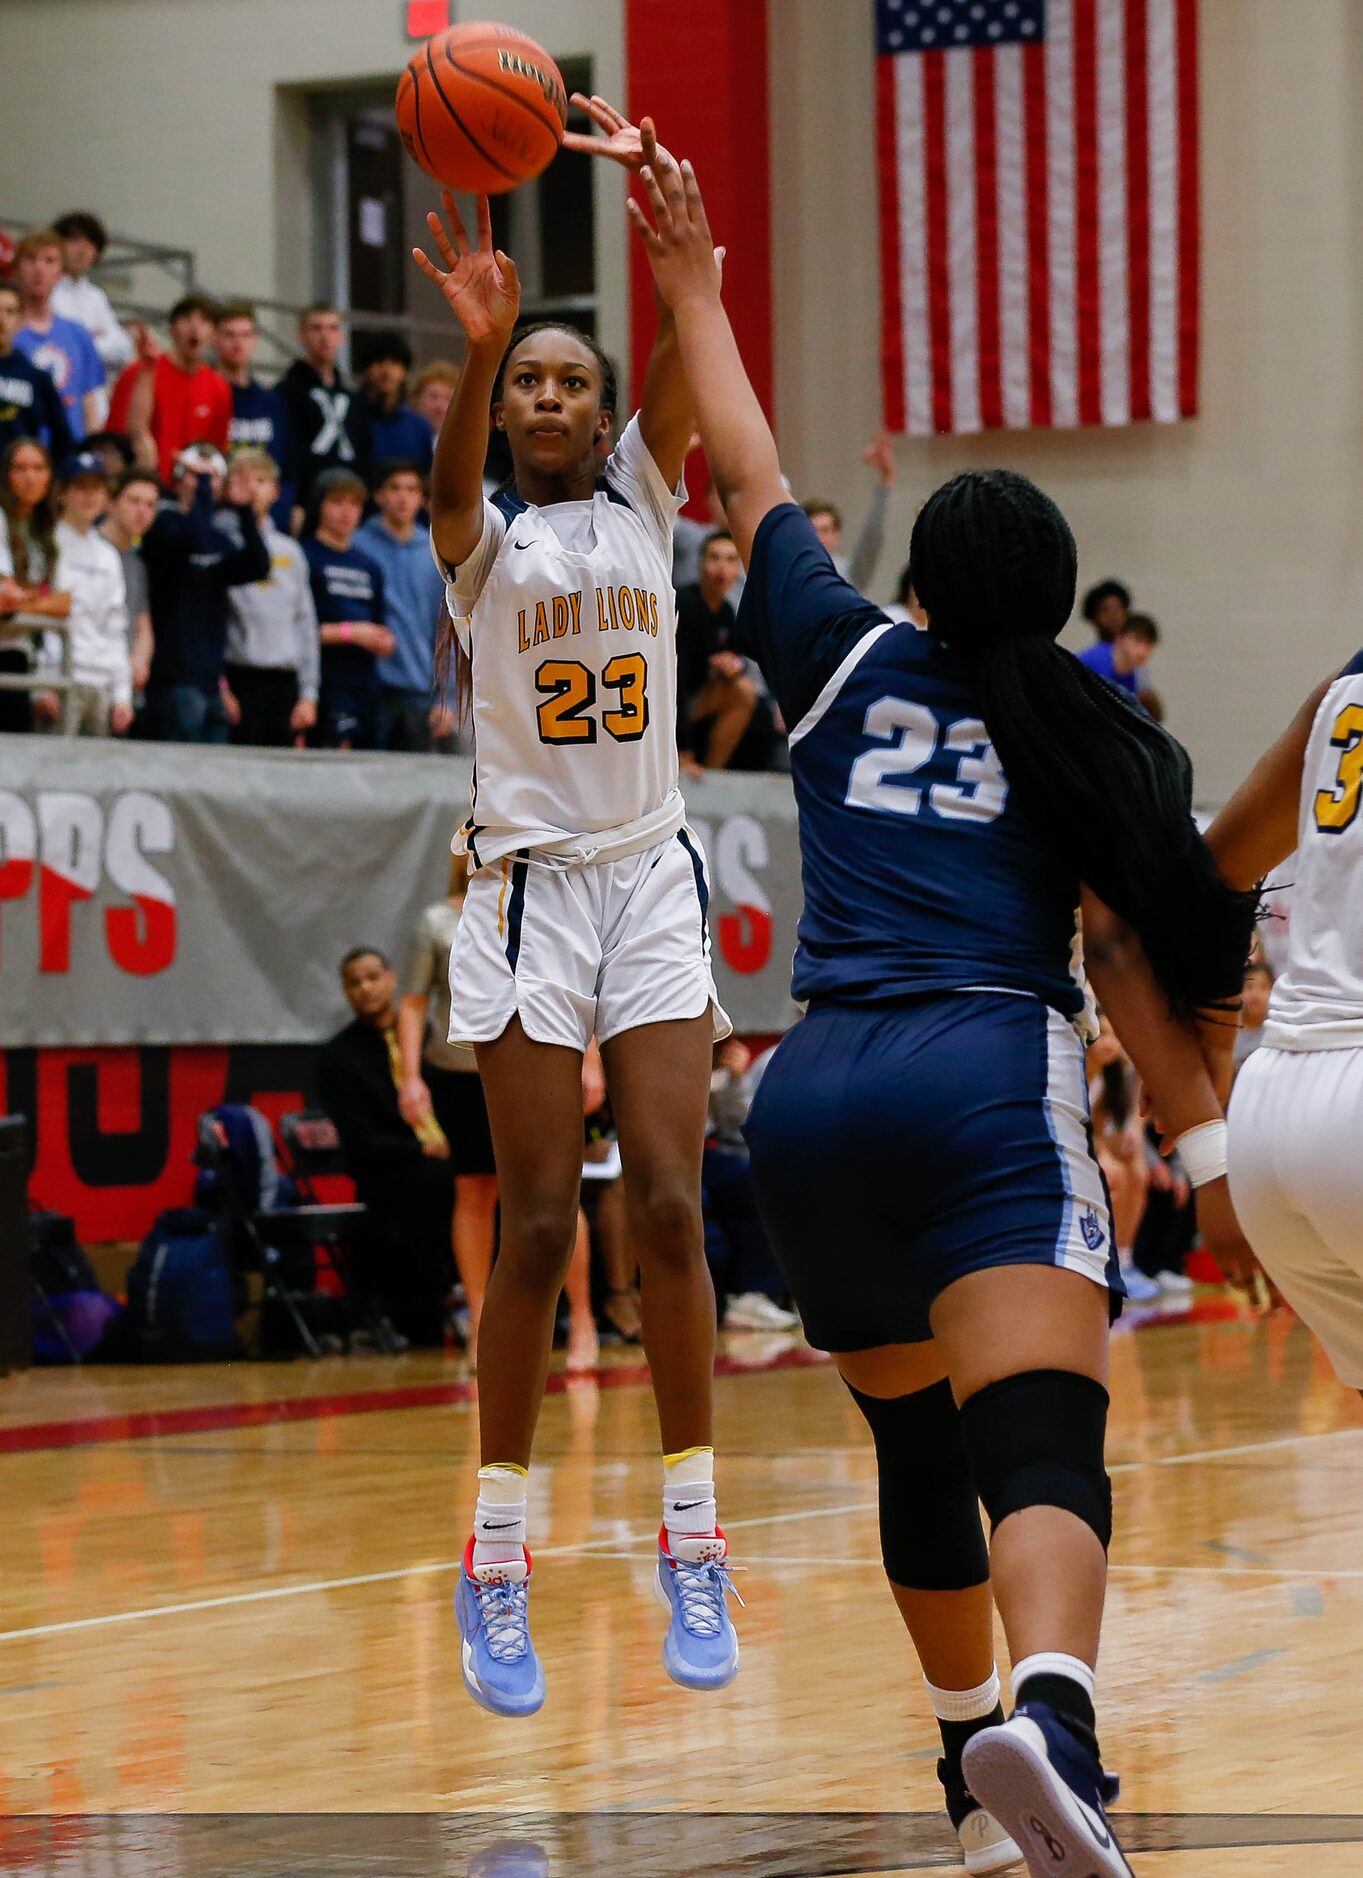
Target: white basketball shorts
[[1296, 1178], [582, 951]]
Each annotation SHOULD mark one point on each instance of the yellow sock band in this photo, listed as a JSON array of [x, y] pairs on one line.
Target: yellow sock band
[[687, 1454], [494, 1468]]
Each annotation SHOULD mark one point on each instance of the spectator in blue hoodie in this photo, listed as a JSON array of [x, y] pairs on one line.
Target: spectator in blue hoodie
[[414, 602], [259, 421], [396, 430], [191, 564], [348, 592]]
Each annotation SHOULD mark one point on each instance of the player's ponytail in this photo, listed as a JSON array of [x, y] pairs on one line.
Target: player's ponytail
[[993, 562]]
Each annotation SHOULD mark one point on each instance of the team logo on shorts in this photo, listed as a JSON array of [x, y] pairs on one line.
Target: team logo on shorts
[[1092, 1228]]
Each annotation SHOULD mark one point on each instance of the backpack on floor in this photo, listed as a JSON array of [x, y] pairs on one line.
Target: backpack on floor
[[72, 1317], [181, 1306]]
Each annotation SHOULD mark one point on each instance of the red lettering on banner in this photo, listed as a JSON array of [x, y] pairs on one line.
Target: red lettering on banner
[[745, 939], [142, 937], [745, 935], [71, 830], [18, 845]]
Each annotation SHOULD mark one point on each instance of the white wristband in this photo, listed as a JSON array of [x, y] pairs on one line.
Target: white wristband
[[1202, 1151]]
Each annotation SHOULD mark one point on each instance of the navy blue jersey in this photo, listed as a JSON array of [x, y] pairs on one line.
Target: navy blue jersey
[[920, 872]]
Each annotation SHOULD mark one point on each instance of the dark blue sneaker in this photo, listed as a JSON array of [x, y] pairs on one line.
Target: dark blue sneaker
[[1049, 1792], [501, 1670]]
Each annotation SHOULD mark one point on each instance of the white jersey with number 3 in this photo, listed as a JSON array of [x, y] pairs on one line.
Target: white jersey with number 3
[[568, 616], [1317, 1002]]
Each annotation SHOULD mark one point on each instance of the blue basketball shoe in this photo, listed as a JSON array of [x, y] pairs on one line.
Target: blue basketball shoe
[[492, 1604], [1045, 1788], [700, 1650]]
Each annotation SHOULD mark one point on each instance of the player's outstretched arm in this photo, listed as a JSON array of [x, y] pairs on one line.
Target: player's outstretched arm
[[738, 441], [1257, 829], [1169, 1060], [666, 414], [484, 293]]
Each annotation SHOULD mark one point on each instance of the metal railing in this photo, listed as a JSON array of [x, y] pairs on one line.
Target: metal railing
[[27, 626]]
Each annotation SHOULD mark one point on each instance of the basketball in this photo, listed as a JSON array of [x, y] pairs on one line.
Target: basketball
[[482, 108]]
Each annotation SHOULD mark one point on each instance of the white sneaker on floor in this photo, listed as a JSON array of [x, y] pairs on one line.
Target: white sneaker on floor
[[751, 1310], [1139, 1288], [1175, 1285]]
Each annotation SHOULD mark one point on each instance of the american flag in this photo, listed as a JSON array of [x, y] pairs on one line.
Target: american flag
[[1038, 211]]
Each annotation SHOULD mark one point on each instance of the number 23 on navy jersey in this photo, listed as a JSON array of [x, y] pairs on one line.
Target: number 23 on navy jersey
[[920, 872]]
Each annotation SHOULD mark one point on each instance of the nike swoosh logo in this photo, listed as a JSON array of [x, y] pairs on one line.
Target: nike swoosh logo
[[687, 1506], [505, 1525], [522, 544]]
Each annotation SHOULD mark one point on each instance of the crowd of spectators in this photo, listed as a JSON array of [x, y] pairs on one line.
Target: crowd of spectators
[[225, 559], [276, 586]]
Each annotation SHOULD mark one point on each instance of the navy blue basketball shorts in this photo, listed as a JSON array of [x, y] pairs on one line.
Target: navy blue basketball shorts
[[897, 1148]]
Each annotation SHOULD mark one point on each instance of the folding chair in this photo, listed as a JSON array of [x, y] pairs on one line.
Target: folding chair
[[312, 1152], [255, 1231]]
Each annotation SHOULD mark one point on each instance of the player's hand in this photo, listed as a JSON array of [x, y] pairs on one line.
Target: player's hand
[[726, 665], [690, 768], [440, 720], [622, 142], [47, 706], [231, 706], [735, 1056], [414, 1101], [436, 1150], [120, 718], [303, 716], [879, 453], [481, 284], [1225, 1241], [236, 491], [685, 262]]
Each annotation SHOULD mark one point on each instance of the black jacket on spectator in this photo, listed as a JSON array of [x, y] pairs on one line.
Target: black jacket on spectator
[[191, 564], [328, 428], [700, 634], [356, 1087], [404, 1257], [31, 406]]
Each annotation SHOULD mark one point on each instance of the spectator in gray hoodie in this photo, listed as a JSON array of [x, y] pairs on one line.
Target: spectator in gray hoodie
[[273, 651]]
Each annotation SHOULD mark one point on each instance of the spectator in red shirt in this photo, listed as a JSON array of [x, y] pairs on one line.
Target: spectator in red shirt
[[167, 401]]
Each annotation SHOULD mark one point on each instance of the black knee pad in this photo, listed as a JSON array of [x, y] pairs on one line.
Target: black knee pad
[[1037, 1440], [931, 1538]]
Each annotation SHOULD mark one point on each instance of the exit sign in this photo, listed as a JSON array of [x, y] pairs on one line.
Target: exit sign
[[425, 18]]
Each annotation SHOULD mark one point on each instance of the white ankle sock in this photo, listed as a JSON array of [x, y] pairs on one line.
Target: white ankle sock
[[963, 1705], [690, 1514], [1053, 1663], [499, 1521]]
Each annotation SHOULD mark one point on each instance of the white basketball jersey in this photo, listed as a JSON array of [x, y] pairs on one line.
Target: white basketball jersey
[[568, 616], [1317, 1002]]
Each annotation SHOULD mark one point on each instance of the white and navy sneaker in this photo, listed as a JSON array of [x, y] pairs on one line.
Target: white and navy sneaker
[[1049, 1792], [700, 1650], [501, 1670], [986, 1847]]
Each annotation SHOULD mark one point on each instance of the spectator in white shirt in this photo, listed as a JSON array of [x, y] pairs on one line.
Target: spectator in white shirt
[[77, 297], [273, 646], [90, 570], [136, 498]]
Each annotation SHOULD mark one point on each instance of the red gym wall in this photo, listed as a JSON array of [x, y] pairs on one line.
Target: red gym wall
[[701, 70]]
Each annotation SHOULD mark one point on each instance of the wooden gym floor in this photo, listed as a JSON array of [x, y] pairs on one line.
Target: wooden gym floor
[[226, 1644]]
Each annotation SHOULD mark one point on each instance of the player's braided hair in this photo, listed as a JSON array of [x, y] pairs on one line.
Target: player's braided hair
[[993, 562]]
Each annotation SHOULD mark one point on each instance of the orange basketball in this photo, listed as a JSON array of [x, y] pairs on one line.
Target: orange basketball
[[482, 108]]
